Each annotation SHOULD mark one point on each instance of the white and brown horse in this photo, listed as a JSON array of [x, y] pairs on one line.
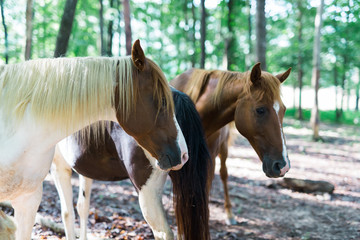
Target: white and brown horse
[[43, 101], [120, 157], [251, 99]]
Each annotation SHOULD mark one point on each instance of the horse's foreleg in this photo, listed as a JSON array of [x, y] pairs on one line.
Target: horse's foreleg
[[83, 204], [150, 199], [223, 154], [61, 173], [25, 207]]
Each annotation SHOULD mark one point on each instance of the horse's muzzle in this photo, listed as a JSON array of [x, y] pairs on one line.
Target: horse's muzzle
[[275, 168], [172, 160]]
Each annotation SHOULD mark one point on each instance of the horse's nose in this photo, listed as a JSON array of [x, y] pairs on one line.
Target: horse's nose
[[280, 168]]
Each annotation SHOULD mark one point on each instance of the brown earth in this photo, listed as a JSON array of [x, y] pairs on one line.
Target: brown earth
[[263, 209]]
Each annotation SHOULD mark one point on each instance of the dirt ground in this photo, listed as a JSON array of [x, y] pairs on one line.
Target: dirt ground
[[262, 211]]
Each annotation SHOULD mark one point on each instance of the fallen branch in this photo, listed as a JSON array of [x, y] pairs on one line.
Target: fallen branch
[[307, 186]]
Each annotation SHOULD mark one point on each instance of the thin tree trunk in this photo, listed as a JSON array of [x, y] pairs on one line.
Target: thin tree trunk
[[202, 34], [343, 79], [67, 20], [336, 83], [127, 21], [249, 55], [119, 24], [261, 33], [110, 33], [5, 32], [357, 93], [315, 121], [193, 40], [101, 17], [230, 38], [29, 26], [300, 68]]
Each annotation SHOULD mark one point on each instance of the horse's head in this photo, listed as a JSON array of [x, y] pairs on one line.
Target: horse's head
[[259, 117], [152, 121]]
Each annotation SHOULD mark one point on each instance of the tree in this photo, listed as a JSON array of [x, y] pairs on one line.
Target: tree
[[110, 33], [202, 33], [67, 20], [261, 33], [29, 26], [316, 71], [5, 31], [127, 21], [300, 55], [101, 17]]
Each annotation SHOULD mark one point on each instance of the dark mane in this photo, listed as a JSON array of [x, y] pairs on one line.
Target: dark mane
[[191, 194]]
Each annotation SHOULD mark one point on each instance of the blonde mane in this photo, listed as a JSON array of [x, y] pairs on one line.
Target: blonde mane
[[269, 86], [64, 91]]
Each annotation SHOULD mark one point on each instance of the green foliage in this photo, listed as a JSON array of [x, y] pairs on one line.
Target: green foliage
[[169, 31], [348, 117]]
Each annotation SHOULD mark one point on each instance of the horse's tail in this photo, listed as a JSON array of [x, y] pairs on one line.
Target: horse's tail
[[7, 227], [191, 194]]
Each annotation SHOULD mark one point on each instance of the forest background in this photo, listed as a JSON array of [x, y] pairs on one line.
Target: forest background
[[217, 34]]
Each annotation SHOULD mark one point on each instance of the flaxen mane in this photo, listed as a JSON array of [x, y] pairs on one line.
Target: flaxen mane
[[63, 91], [269, 85], [7, 227]]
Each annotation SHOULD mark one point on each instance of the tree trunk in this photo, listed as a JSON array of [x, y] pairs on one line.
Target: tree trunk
[[29, 26], [249, 61], [202, 34], [300, 68], [127, 21], [230, 39], [316, 72], [67, 20], [357, 97], [261, 33], [337, 111], [110, 33], [5, 31], [119, 24], [357, 93], [101, 17], [193, 40]]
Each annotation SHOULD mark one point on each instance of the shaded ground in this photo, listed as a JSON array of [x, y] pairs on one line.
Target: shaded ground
[[261, 212]]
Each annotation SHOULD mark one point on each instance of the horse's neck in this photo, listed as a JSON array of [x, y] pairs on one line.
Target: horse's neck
[[217, 116]]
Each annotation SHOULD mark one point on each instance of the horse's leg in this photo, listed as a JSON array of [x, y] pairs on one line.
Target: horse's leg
[[25, 207], [61, 173], [223, 154], [150, 199], [83, 204]]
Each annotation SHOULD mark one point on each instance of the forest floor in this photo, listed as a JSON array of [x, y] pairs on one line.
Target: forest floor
[[261, 210]]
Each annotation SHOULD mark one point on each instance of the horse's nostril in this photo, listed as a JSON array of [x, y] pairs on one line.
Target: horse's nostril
[[184, 158], [276, 167]]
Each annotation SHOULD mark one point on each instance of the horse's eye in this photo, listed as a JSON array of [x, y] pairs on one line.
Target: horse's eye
[[260, 111]]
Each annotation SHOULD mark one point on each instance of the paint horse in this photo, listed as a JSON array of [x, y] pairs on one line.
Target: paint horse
[[252, 100], [119, 157], [43, 101]]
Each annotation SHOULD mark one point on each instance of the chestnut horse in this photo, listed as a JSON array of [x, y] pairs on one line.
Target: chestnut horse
[[119, 157], [43, 101], [251, 99]]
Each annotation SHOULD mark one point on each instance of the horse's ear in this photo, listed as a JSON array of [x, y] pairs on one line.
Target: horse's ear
[[255, 74], [283, 76], [137, 55]]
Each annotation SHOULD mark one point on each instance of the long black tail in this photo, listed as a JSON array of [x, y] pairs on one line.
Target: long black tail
[[191, 195]]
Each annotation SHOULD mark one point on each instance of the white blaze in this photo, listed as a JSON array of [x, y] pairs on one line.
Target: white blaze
[[276, 107]]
